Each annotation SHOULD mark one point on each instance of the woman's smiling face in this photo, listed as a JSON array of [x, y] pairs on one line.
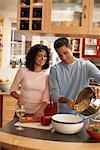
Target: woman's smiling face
[[41, 58]]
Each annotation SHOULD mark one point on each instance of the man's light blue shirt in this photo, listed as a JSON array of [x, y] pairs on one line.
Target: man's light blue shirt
[[66, 80]]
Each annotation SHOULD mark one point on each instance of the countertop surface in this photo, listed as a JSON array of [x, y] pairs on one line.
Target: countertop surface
[[46, 140]]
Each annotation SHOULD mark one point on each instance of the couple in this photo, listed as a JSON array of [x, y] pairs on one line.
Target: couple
[[63, 83]]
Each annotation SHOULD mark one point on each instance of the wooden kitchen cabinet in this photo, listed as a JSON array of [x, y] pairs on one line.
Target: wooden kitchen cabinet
[[62, 17], [32, 15], [43, 16], [8, 110], [1, 40], [78, 17], [91, 48], [69, 17]]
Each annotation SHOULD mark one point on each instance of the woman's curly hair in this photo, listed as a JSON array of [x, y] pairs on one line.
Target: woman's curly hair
[[31, 56]]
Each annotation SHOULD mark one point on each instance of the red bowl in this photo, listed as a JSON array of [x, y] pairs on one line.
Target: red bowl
[[92, 134]]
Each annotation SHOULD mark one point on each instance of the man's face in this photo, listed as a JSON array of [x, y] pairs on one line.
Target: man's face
[[65, 54]]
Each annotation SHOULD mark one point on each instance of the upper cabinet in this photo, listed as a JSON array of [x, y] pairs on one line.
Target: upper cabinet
[[69, 17], [32, 15], [1, 39], [78, 17]]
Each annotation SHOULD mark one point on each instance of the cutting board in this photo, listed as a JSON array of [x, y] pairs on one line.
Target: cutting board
[[36, 125]]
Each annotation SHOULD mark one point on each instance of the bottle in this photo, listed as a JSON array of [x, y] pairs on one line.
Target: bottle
[[13, 63], [20, 63]]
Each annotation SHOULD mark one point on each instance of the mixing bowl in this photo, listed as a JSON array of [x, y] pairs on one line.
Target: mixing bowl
[[67, 123], [5, 87]]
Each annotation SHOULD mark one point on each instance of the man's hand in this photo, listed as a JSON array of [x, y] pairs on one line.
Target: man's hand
[[70, 103], [97, 91]]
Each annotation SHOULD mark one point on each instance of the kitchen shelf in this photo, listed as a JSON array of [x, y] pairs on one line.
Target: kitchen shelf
[[90, 50]]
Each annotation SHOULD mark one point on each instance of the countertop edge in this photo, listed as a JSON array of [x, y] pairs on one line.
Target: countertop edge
[[36, 144]]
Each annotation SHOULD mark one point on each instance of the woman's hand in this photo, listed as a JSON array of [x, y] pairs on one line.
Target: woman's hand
[[40, 112], [37, 115], [17, 95], [20, 101]]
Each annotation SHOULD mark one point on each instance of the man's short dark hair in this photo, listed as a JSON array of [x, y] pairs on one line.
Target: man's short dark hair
[[61, 42]]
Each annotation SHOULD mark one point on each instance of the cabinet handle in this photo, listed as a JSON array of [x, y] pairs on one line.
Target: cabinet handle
[[84, 12]]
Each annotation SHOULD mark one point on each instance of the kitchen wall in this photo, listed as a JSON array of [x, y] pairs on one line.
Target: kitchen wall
[[6, 71], [8, 18]]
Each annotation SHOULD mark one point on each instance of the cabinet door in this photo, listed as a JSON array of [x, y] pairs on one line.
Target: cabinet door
[[94, 18], [32, 15], [9, 106], [90, 48], [69, 16]]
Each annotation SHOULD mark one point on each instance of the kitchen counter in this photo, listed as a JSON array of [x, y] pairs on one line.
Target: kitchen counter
[[36, 139]]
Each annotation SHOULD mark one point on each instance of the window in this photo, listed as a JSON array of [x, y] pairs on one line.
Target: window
[[18, 45]]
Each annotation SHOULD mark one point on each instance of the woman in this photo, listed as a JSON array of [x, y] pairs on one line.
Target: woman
[[33, 82]]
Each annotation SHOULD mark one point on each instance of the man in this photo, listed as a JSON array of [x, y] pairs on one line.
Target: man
[[69, 76]]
